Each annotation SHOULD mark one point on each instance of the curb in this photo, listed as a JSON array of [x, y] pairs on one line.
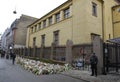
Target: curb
[[75, 77]]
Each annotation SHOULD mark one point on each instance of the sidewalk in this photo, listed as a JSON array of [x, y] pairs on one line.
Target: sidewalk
[[85, 75]]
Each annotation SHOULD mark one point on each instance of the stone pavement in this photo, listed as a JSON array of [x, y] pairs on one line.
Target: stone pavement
[[15, 73], [85, 75]]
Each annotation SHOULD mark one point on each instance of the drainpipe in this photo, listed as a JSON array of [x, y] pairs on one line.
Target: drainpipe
[[103, 21], [103, 70], [28, 37], [112, 21]]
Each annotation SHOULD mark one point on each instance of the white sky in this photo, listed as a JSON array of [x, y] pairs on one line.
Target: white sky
[[34, 8]]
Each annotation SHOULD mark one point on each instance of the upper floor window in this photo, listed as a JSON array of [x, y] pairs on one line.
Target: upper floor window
[[43, 39], [94, 9], [32, 30], [56, 37], [44, 23], [57, 17], [67, 13], [50, 20], [34, 41], [35, 28], [39, 25]]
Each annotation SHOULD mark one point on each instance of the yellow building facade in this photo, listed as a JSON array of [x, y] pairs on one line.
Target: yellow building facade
[[116, 21], [74, 20]]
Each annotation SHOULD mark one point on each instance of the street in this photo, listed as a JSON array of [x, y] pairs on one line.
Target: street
[[15, 73]]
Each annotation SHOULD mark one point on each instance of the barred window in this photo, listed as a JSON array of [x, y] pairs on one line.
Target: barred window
[[56, 37]]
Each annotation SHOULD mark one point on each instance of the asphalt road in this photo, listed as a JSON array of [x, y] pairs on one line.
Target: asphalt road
[[15, 73]]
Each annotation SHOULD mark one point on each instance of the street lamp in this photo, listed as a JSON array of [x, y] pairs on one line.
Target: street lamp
[[14, 12], [10, 49]]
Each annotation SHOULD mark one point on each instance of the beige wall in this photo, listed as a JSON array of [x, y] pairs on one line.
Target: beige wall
[[64, 28], [108, 26], [84, 23], [116, 21], [79, 26], [21, 30]]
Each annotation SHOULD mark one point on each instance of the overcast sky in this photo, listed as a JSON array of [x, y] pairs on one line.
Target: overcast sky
[[34, 8]]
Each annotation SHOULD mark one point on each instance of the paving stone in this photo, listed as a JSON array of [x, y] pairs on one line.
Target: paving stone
[[85, 75]]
